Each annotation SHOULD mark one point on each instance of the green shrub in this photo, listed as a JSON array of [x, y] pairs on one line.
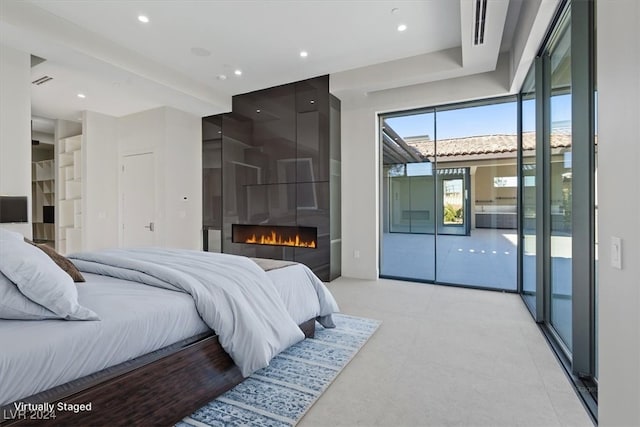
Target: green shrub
[[450, 214]]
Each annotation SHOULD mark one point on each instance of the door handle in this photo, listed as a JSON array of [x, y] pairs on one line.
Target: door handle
[[151, 226]]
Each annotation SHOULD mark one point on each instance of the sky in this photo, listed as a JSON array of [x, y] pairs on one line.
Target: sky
[[493, 119]]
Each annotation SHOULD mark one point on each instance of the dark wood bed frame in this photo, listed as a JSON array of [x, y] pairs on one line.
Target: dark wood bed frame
[[161, 392]]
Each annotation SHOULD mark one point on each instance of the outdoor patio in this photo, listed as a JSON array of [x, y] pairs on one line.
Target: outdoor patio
[[486, 258]]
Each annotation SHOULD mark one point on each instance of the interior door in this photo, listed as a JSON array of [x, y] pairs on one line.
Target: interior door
[[454, 207], [138, 200]]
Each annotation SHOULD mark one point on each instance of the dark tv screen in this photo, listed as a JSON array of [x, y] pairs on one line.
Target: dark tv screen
[[13, 209]]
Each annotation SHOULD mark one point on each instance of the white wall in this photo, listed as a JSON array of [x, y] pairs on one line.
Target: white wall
[[360, 155], [15, 129], [175, 138], [618, 65], [100, 179], [144, 133], [183, 179], [533, 23]]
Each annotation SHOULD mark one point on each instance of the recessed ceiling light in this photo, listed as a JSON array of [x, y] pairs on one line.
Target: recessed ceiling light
[[402, 27], [238, 72], [82, 95], [221, 77], [312, 102], [304, 54], [258, 111], [143, 18]]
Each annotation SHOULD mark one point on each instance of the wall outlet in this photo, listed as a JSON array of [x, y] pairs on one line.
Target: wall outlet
[[356, 254], [616, 252]]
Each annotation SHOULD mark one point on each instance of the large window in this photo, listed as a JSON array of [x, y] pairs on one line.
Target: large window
[[449, 197], [559, 252], [408, 194], [561, 181]]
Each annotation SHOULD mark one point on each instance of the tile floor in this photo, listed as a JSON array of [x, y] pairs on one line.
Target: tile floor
[[446, 356]]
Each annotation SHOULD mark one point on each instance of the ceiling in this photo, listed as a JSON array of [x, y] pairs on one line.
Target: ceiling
[[122, 66]]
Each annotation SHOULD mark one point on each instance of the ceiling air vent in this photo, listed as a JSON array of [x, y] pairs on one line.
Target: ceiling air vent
[[42, 80], [480, 15]]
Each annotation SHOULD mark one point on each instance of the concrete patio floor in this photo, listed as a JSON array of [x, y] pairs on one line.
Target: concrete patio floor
[[486, 258]]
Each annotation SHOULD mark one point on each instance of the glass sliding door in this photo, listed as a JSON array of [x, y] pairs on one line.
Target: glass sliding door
[[408, 208], [476, 154], [596, 238], [561, 187], [529, 193], [559, 257], [449, 200]]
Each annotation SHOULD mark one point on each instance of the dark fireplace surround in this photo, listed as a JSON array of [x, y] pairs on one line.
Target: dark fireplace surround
[[271, 172]]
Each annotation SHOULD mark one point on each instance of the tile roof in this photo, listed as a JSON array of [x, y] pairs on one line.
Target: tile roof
[[486, 144]]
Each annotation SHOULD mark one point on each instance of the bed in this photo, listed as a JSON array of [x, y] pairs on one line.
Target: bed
[[153, 357]]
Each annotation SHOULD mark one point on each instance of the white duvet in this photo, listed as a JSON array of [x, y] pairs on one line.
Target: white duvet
[[135, 319], [232, 294]]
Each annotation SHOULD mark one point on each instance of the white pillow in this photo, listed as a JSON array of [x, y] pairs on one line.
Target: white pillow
[[15, 306], [41, 280], [10, 235]]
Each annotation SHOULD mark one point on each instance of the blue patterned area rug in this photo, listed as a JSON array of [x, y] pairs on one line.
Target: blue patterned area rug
[[280, 394]]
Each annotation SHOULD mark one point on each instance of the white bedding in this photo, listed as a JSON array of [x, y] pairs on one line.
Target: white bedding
[[233, 295], [298, 291], [136, 319]]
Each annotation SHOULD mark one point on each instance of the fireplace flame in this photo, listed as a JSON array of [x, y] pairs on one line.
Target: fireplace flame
[[277, 239]]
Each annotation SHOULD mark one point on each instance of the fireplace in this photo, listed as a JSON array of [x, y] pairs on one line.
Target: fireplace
[[270, 176], [275, 235]]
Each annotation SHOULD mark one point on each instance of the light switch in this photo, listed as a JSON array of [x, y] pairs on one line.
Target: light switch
[[616, 252]]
